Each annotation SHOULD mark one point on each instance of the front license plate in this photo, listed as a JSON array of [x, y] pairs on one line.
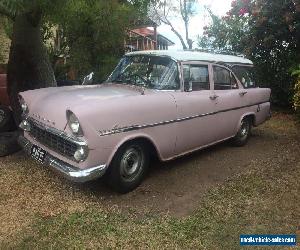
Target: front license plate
[[38, 153]]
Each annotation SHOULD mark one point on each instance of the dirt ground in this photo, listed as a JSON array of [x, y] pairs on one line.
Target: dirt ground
[[175, 188]]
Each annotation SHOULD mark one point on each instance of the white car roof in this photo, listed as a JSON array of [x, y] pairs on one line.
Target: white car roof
[[182, 55]]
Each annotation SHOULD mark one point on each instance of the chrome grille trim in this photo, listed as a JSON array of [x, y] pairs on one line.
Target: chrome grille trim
[[68, 171], [54, 139]]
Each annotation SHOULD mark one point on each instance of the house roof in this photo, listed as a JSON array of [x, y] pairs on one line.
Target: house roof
[[150, 33], [144, 31], [182, 55]]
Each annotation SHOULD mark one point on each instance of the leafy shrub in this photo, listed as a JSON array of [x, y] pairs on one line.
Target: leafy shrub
[[296, 98], [267, 32]]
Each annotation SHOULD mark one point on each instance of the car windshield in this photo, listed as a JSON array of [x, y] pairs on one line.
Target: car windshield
[[151, 72]]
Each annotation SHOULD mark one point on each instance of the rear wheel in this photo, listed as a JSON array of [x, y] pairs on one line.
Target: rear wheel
[[244, 132], [129, 167]]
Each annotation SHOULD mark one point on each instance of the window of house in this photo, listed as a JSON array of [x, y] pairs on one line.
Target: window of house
[[223, 79], [197, 75]]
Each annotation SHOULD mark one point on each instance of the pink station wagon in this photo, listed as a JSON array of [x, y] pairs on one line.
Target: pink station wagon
[[155, 103]]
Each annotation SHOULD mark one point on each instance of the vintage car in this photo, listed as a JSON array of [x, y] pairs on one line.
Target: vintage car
[[155, 103]]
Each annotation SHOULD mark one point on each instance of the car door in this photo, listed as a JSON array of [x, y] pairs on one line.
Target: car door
[[251, 94], [195, 126], [229, 98]]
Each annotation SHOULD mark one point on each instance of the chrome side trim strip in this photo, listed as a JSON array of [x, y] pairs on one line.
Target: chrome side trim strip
[[136, 127]]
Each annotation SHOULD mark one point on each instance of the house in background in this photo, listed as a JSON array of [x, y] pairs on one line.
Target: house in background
[[144, 36], [146, 39]]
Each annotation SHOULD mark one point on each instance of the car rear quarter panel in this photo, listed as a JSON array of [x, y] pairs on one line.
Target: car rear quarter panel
[[260, 96]]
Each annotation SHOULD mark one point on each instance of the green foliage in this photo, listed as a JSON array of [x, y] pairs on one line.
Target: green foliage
[[268, 33], [11, 8], [296, 99], [5, 33], [94, 33], [91, 32], [225, 34]]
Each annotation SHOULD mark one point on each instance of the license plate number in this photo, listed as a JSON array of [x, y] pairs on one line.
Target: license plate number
[[38, 153]]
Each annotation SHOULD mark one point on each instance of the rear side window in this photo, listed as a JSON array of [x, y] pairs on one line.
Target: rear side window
[[197, 75], [223, 79], [245, 75]]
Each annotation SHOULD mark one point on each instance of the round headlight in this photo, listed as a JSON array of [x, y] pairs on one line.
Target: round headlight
[[24, 106], [74, 124], [25, 125], [81, 154]]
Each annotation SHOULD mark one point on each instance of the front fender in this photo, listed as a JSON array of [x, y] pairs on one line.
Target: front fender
[[131, 138], [103, 118]]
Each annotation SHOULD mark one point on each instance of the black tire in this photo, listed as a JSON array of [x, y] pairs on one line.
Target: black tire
[[9, 143], [7, 122], [244, 132], [128, 167]]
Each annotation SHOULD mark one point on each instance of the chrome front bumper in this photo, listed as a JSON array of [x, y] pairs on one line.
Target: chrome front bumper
[[68, 171]]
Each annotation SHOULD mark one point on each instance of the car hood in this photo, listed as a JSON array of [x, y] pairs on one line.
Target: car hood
[[49, 105]]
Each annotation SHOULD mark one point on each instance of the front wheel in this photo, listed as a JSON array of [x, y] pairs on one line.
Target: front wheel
[[244, 132], [129, 167]]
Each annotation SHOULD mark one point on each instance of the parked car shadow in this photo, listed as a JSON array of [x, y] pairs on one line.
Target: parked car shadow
[[177, 185], [173, 187]]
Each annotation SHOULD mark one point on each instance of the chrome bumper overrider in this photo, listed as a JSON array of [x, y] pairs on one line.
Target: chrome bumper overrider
[[68, 171]]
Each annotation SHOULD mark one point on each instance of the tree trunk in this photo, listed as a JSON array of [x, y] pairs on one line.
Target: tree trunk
[[29, 66]]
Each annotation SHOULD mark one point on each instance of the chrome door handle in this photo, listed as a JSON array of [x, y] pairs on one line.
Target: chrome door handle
[[243, 93], [213, 97]]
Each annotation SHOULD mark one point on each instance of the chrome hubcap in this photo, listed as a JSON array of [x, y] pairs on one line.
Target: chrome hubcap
[[131, 163], [244, 129], [2, 115]]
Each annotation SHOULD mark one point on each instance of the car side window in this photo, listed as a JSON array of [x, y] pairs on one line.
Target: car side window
[[234, 84], [246, 75], [223, 79], [197, 75]]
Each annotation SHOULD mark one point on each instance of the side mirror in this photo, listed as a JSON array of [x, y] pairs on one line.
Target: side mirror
[[188, 86], [88, 79]]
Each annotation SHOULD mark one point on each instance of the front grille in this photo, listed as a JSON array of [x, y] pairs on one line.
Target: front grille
[[53, 141]]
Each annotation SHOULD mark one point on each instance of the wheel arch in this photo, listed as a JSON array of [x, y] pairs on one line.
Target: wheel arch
[[143, 138], [251, 115]]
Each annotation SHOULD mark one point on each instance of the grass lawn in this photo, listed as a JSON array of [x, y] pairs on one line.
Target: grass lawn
[[264, 199]]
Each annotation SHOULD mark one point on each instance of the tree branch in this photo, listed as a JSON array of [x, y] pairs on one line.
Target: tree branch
[[176, 33], [164, 19]]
